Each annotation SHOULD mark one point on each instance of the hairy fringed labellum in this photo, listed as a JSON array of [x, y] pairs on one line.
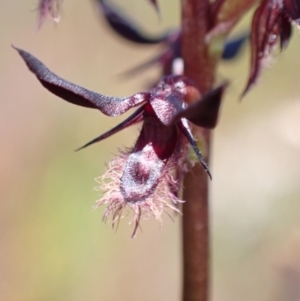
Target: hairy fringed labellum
[[142, 178]]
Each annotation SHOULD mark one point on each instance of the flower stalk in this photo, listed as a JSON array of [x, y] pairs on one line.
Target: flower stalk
[[200, 65], [195, 221]]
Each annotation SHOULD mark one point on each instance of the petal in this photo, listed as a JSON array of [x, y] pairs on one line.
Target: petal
[[124, 27], [233, 46], [205, 111], [169, 96], [225, 14], [144, 66], [111, 106], [165, 59], [167, 106], [292, 8], [173, 40], [264, 35], [146, 163], [185, 129], [132, 119], [285, 31]]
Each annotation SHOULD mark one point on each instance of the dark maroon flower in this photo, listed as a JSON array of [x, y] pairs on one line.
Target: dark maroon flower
[[172, 51], [170, 40], [124, 27], [48, 8], [143, 174], [272, 22]]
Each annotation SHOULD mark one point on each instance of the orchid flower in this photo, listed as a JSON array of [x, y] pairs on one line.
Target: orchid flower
[[272, 22], [141, 178], [170, 40]]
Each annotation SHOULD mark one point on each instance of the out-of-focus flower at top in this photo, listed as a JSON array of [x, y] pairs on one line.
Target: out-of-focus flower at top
[[123, 27], [272, 22], [48, 8], [141, 178], [171, 40]]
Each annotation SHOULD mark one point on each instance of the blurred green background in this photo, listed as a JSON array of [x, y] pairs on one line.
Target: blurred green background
[[53, 246]]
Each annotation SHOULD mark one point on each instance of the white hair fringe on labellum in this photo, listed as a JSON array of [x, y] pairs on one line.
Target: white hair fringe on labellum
[[162, 199]]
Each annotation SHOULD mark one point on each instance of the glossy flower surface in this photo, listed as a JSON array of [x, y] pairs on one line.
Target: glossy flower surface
[[142, 178]]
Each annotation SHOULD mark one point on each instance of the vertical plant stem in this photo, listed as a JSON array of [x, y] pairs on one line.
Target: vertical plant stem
[[198, 18], [199, 67], [196, 237]]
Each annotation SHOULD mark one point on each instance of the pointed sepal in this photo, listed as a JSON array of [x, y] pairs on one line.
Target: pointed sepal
[[234, 46], [264, 35], [124, 27], [205, 111], [285, 31], [111, 106], [292, 8], [186, 131], [134, 118]]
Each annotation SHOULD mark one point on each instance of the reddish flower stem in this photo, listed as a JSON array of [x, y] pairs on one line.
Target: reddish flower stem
[[200, 66]]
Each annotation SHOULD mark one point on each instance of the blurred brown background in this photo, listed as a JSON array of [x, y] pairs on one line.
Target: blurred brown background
[[53, 246]]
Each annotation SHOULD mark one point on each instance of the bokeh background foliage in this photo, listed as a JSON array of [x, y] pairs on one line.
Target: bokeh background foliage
[[53, 246]]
